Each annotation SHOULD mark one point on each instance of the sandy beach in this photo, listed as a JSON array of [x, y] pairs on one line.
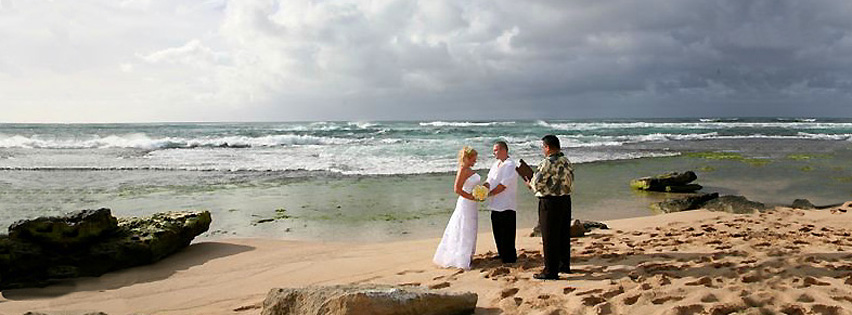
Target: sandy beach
[[696, 262]]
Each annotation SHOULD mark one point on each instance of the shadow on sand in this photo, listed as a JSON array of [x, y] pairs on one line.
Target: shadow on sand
[[195, 255]]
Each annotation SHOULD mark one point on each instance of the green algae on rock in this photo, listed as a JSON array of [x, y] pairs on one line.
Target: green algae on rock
[[36, 253]]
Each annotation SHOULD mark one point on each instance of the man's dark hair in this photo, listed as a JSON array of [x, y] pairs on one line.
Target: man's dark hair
[[502, 144], [551, 141]]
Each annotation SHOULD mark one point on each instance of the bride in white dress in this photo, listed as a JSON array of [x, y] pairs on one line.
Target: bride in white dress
[[459, 242]]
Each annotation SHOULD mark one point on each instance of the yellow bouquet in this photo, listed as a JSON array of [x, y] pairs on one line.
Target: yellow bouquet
[[480, 192]]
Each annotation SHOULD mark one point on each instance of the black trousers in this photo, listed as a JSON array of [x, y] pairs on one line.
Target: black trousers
[[503, 224], [554, 219]]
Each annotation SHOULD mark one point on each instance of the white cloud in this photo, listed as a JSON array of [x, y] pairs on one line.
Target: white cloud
[[387, 59], [193, 53]]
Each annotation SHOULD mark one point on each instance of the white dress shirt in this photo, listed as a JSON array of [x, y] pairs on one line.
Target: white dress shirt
[[503, 173]]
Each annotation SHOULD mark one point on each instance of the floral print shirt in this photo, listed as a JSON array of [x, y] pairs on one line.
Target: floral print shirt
[[554, 177]]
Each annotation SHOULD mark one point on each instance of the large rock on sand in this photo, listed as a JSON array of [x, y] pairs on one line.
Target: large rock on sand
[[367, 299], [75, 229], [734, 204], [684, 204], [670, 182], [90, 243]]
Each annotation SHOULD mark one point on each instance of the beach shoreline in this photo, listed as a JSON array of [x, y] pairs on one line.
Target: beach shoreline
[[232, 276], [389, 208]]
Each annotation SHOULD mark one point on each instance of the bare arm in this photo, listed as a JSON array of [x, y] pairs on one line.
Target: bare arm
[[500, 188], [507, 173], [461, 177]]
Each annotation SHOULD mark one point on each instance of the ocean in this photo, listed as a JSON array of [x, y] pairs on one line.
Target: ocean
[[251, 171]]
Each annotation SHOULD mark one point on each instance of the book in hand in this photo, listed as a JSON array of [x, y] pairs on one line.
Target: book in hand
[[524, 170]]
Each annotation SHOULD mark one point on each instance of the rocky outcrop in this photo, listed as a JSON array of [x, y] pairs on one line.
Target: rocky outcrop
[[578, 228], [803, 204], [734, 204], [77, 228], [91, 243], [683, 204], [670, 182], [367, 299]]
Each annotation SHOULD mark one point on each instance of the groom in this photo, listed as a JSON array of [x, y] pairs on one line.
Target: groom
[[503, 202]]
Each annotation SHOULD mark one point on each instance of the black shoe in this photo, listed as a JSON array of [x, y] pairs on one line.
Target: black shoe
[[510, 261], [566, 270], [542, 276]]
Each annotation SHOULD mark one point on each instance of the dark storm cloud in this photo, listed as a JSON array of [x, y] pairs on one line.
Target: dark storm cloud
[[605, 59]]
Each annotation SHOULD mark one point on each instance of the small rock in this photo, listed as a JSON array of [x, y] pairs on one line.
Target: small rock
[[803, 204], [735, 204]]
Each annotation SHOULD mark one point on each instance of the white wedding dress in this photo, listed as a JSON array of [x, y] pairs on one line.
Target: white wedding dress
[[459, 242]]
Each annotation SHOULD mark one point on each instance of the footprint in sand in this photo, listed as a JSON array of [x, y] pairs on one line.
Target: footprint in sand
[[499, 271], [593, 300], [705, 281], [727, 308], [804, 298], [686, 310], [811, 281], [242, 308], [842, 298], [405, 272], [630, 300], [592, 291], [709, 298], [440, 285], [759, 300], [752, 278], [792, 309], [508, 292], [827, 309], [666, 299]]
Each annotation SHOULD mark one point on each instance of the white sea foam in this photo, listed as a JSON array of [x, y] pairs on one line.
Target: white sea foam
[[385, 148], [363, 125], [142, 141], [718, 119], [586, 126], [360, 161], [797, 119], [465, 124]]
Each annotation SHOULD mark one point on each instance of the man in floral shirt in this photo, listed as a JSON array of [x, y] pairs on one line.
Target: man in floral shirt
[[553, 183]]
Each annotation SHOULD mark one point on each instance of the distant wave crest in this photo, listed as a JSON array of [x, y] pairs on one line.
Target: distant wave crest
[[465, 124], [708, 125], [142, 141], [718, 119]]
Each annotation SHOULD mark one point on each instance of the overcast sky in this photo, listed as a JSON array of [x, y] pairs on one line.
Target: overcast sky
[[246, 60]]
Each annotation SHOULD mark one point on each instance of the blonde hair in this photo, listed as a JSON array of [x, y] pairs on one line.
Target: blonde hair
[[464, 153]]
